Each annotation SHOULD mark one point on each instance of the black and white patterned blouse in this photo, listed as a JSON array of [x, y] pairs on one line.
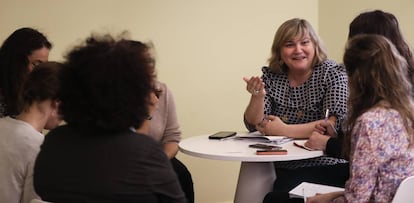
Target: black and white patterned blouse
[[327, 88]]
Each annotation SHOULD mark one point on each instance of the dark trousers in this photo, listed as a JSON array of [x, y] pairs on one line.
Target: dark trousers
[[184, 176], [287, 179], [281, 197]]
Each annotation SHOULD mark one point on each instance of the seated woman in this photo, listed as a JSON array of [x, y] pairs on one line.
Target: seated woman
[[369, 22], [293, 95], [380, 135], [164, 128], [21, 137], [19, 54], [102, 154]]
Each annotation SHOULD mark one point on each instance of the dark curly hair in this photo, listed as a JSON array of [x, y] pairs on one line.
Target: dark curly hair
[[14, 63], [107, 84]]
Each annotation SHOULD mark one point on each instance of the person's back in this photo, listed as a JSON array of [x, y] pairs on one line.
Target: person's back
[[21, 137], [19, 145], [102, 154], [120, 167]]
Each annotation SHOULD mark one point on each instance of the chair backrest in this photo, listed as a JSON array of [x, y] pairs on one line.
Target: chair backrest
[[405, 192]]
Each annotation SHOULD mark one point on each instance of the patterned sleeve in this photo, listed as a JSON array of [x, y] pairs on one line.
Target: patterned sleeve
[[337, 93], [365, 160], [269, 104]]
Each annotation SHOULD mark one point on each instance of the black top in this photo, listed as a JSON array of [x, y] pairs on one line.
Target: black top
[[334, 146], [88, 165]]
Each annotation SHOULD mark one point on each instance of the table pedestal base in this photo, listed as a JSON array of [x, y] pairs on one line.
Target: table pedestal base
[[255, 181]]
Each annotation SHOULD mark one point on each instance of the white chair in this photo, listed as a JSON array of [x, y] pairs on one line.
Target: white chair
[[404, 192]]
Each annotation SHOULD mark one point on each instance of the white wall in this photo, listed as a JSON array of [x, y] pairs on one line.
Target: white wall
[[336, 15]]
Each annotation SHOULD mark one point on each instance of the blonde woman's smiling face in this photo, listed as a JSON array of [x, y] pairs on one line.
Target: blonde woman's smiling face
[[298, 53]]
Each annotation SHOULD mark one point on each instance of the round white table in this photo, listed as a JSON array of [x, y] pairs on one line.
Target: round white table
[[257, 173]]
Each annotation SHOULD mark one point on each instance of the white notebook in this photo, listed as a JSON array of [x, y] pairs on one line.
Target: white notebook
[[310, 189]]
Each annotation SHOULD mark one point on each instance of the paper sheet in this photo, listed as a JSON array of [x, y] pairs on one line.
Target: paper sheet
[[310, 189]]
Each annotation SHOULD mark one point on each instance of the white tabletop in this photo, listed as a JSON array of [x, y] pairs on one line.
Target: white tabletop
[[238, 150]]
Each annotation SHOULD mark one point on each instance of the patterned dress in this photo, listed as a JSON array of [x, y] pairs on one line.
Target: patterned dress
[[327, 88], [380, 157]]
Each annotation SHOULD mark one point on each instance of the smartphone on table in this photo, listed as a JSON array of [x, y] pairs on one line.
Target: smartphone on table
[[264, 146], [221, 135], [271, 152]]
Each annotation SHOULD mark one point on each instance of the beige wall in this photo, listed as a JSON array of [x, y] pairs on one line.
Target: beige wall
[[204, 48], [336, 15]]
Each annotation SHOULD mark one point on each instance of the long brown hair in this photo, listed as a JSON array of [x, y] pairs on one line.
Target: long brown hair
[[14, 63], [377, 76], [385, 24]]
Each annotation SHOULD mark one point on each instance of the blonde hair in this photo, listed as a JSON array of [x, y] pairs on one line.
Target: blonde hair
[[377, 76], [286, 32]]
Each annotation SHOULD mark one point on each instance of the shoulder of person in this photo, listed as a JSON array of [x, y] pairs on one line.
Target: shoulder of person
[[329, 64], [160, 85], [165, 91], [332, 68]]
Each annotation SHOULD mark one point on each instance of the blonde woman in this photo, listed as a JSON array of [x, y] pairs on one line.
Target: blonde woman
[[292, 95]]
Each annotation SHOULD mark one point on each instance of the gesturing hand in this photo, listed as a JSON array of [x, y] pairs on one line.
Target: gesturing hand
[[255, 85]]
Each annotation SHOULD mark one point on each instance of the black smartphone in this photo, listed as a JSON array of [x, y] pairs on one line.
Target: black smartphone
[[271, 152], [264, 146], [221, 135]]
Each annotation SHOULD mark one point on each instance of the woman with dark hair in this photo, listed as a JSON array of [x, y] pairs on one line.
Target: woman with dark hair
[[385, 24], [379, 127], [102, 154], [370, 22], [20, 53], [21, 137]]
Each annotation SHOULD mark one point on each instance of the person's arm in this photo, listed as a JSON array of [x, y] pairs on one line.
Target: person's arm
[[326, 140], [275, 126], [253, 114], [326, 198], [336, 95], [317, 141], [171, 149], [172, 133], [334, 147]]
